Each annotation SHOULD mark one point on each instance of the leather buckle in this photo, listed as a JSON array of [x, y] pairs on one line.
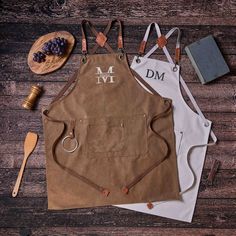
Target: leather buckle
[[101, 39]]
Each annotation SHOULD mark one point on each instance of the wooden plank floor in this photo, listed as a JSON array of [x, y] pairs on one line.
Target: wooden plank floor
[[22, 22]]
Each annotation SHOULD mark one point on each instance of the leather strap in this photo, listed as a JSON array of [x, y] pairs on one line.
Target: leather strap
[[139, 177], [145, 38], [105, 32], [142, 81], [101, 38], [161, 41], [67, 86]]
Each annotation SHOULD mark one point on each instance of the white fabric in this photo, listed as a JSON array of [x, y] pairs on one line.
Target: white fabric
[[191, 129]]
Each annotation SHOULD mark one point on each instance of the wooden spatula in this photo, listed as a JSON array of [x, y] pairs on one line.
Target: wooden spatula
[[29, 145]]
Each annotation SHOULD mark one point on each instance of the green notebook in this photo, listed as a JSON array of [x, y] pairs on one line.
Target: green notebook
[[207, 59]]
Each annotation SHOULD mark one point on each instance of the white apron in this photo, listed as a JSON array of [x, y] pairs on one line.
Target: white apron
[[191, 129]]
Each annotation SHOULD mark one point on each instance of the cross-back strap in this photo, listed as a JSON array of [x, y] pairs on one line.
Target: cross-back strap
[[177, 57], [161, 41], [101, 38], [145, 38]]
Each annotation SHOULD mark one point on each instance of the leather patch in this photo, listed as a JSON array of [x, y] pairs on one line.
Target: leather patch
[[177, 55], [101, 39], [161, 41], [142, 47], [84, 46], [120, 42], [125, 190], [149, 205]]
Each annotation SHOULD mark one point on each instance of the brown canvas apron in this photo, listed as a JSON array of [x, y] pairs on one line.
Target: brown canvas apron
[[108, 141]]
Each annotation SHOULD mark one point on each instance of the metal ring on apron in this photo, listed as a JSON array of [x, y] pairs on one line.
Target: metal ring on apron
[[138, 59], [121, 53], [84, 59], [121, 56], [76, 144], [175, 68]]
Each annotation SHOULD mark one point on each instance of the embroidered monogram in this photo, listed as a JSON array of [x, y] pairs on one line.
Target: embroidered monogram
[[105, 77], [155, 75]]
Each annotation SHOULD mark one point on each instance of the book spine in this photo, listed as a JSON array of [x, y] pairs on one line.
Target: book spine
[[195, 65]]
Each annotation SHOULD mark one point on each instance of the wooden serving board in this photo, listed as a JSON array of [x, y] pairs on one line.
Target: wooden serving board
[[52, 62]]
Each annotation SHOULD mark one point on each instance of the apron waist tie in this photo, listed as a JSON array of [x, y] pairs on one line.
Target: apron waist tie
[[137, 179], [194, 179]]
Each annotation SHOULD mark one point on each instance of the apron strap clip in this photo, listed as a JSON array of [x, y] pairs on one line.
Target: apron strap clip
[[177, 55], [84, 57], [138, 58], [121, 53]]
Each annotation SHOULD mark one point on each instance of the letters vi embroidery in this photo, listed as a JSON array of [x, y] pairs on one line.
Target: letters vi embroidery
[[105, 77]]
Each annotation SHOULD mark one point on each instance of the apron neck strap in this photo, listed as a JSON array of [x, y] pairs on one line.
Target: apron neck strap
[[146, 35], [101, 38], [177, 46], [161, 42]]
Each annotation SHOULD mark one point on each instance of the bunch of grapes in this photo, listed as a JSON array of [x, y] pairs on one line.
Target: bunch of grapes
[[39, 57], [56, 46]]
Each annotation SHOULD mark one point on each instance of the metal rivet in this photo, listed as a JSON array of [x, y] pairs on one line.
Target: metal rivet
[[121, 56], [84, 59], [175, 68], [206, 124]]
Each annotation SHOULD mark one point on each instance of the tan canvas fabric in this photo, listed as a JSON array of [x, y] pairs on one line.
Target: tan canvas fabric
[[126, 144]]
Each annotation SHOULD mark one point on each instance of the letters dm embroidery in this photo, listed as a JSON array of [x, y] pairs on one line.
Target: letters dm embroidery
[[155, 75]]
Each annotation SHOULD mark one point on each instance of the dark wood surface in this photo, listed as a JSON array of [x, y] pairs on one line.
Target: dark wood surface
[[21, 23]]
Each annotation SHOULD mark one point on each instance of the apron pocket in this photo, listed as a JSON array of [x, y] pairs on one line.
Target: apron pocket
[[106, 137], [125, 136]]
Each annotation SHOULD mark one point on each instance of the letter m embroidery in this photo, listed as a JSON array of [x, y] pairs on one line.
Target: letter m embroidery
[[105, 77]]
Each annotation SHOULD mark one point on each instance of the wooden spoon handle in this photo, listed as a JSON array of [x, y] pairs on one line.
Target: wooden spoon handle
[[18, 181]]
